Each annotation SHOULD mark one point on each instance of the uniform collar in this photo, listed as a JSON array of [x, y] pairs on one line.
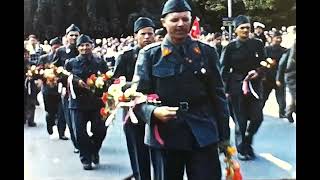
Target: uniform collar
[[240, 43], [167, 47], [136, 49]]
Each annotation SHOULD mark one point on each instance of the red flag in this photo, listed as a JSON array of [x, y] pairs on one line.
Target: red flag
[[195, 30]]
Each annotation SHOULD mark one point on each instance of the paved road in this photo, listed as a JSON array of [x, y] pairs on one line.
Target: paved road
[[48, 158]]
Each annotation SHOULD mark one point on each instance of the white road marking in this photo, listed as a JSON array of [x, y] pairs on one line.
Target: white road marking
[[282, 164]]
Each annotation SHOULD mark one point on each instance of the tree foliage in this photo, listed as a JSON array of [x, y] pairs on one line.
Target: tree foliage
[[273, 13]]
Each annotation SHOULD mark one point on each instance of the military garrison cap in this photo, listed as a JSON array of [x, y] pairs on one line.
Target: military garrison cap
[[161, 32], [241, 19], [55, 40], [142, 22], [175, 6], [72, 27], [83, 39]]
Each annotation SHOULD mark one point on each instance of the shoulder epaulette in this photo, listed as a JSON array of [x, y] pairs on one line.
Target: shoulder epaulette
[[204, 42], [152, 45]]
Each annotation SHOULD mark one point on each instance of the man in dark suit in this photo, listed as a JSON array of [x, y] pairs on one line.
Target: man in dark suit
[[138, 151], [85, 105], [239, 59], [193, 116]]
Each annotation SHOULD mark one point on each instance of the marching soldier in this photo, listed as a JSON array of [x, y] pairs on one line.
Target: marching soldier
[[193, 116], [239, 59], [51, 97], [138, 151], [30, 92], [275, 51], [86, 106], [62, 55]]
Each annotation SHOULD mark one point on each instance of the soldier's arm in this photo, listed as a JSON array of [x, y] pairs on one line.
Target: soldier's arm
[[142, 75], [120, 66], [220, 101], [282, 66], [225, 66]]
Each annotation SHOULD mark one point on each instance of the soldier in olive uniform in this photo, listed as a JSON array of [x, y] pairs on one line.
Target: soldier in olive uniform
[[275, 51], [51, 97], [85, 106], [240, 58], [193, 116], [138, 151], [63, 54]]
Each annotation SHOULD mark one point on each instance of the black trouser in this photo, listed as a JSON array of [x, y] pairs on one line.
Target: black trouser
[[280, 95], [88, 146], [246, 108], [29, 108], [201, 163], [53, 107], [138, 151], [70, 123]]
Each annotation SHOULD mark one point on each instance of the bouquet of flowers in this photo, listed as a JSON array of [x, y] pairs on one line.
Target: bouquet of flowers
[[34, 72], [232, 166], [115, 98], [53, 74]]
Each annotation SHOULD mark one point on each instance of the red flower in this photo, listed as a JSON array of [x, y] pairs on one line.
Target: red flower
[[104, 112], [104, 97], [105, 77], [93, 77]]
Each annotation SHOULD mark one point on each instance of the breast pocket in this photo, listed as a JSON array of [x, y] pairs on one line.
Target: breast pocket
[[165, 79]]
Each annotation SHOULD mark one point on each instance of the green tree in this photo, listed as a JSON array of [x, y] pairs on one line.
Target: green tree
[[273, 13]]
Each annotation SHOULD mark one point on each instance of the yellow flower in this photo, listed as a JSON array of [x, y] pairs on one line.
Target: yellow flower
[[197, 50], [166, 52], [231, 150], [109, 74], [263, 63]]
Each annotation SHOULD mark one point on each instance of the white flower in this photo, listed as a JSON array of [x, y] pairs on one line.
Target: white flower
[[66, 72], [48, 73], [122, 80], [115, 91], [130, 92], [41, 71], [33, 67], [59, 69], [263, 63], [99, 82]]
